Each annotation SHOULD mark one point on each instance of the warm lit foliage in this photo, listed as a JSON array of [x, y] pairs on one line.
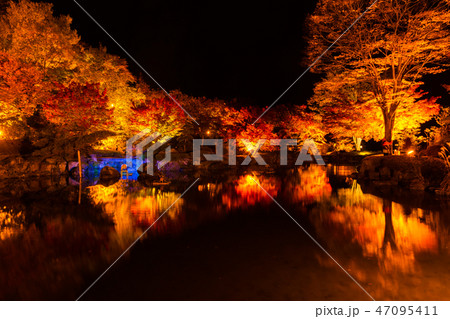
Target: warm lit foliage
[[35, 35], [297, 122], [254, 133], [217, 119], [372, 73], [158, 113], [386, 53], [38, 49], [20, 87], [237, 124], [211, 115], [112, 73], [345, 109], [21, 90], [78, 108], [41, 55], [415, 110], [352, 111], [441, 134]]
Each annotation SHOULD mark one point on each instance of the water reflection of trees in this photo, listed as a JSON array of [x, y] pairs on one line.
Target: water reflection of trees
[[307, 185], [134, 211], [11, 222], [62, 243], [395, 236], [49, 245], [245, 191], [382, 228], [302, 185], [378, 240]]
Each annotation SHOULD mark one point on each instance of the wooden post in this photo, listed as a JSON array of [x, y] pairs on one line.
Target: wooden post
[[79, 164], [81, 176]]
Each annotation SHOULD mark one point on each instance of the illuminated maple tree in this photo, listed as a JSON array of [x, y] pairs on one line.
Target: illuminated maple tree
[[345, 112], [387, 51], [158, 113], [40, 55], [113, 75], [78, 108], [20, 91], [253, 134], [33, 35], [217, 119], [210, 114], [37, 50], [298, 122], [351, 111]]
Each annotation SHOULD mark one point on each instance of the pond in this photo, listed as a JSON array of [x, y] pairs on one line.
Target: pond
[[225, 239]]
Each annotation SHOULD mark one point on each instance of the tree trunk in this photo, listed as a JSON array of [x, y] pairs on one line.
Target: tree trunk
[[388, 127], [357, 141], [389, 120]]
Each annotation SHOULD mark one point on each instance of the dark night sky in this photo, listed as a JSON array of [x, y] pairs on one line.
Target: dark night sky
[[227, 49]]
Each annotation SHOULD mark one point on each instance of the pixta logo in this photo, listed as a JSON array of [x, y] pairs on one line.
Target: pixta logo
[[307, 152], [146, 140]]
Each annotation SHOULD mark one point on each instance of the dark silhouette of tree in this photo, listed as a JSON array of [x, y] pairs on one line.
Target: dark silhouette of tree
[[389, 233]]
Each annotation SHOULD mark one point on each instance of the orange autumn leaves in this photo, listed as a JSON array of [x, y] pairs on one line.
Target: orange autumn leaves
[[43, 62], [78, 108], [371, 74]]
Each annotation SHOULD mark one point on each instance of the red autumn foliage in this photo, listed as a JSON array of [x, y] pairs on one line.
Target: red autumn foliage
[[78, 108], [160, 114]]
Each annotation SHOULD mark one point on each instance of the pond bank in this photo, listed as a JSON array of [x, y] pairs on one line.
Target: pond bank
[[21, 167], [24, 167], [413, 173]]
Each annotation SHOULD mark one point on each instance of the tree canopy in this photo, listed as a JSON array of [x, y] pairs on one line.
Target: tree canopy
[[372, 71], [52, 85]]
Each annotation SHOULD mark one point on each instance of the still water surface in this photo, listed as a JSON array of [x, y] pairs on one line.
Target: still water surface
[[225, 240]]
